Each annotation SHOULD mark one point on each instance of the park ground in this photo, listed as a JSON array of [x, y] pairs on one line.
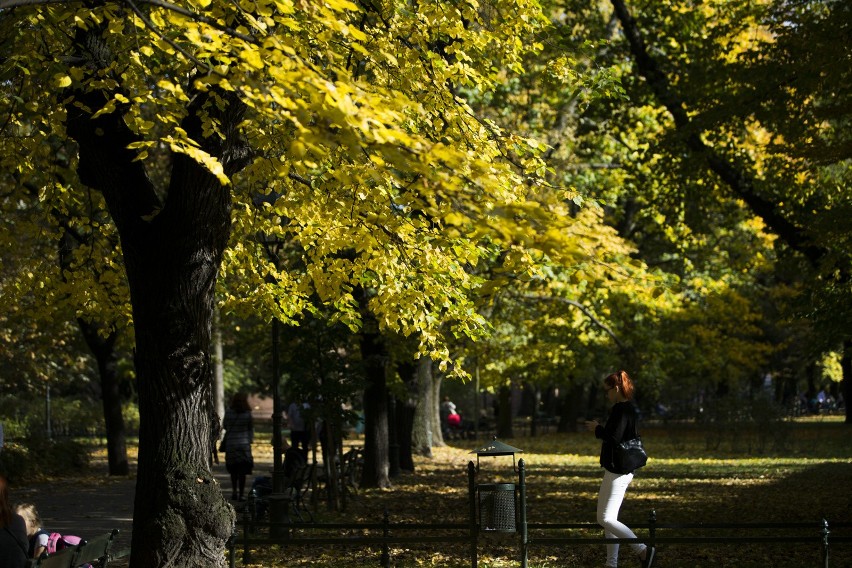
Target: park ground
[[696, 474]]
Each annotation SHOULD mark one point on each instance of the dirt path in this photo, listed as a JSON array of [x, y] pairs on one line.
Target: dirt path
[[96, 503]]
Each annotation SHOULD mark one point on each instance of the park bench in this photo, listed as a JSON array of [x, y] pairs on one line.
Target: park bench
[[348, 472], [94, 551], [296, 485]]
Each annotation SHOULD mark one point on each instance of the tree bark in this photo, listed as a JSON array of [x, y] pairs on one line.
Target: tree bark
[[425, 407], [376, 458], [172, 251]]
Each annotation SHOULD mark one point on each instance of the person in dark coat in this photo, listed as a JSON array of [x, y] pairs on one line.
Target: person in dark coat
[[239, 435], [13, 532]]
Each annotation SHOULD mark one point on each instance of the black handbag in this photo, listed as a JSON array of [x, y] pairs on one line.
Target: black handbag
[[630, 455]]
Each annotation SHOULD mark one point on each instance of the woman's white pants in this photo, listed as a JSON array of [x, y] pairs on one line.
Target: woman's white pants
[[613, 488]]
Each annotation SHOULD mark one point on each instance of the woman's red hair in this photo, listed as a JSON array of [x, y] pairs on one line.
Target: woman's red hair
[[621, 380]]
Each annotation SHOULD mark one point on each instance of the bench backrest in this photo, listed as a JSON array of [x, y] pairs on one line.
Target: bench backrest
[[95, 550], [62, 559]]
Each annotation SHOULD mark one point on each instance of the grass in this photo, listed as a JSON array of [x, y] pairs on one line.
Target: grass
[[694, 475]]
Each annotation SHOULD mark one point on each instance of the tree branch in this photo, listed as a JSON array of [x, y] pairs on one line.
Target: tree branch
[[594, 319], [740, 181]]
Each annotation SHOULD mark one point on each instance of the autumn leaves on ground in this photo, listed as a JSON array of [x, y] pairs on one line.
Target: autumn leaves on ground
[[694, 475]]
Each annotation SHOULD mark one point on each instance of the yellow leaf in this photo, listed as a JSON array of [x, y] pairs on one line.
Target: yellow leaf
[[61, 80], [252, 57], [357, 34]]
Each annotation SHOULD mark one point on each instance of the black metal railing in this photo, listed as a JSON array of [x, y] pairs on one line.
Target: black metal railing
[[816, 532], [529, 535]]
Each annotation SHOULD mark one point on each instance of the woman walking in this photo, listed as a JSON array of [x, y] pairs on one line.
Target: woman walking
[[239, 435], [619, 427]]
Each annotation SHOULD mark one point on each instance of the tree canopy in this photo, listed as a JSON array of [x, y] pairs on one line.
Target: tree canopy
[[659, 186]]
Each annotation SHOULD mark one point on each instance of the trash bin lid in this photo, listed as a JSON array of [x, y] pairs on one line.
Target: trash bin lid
[[496, 448]]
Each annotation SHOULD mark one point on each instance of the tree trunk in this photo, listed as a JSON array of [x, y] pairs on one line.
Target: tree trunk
[[404, 417], [573, 403], [218, 368], [504, 413], [846, 385], [376, 458], [435, 411], [103, 349], [421, 435], [172, 250]]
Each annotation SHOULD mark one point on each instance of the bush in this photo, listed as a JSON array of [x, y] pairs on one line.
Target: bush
[[28, 453], [38, 457]]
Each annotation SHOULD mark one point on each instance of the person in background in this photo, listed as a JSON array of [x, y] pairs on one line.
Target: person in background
[[13, 532], [620, 426], [36, 535], [239, 435], [299, 437], [447, 409]]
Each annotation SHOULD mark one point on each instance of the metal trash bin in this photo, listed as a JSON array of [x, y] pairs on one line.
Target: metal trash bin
[[497, 510]]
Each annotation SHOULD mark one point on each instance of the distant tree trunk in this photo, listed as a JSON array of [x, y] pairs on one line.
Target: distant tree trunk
[[218, 368], [376, 458], [425, 407], [404, 425], [846, 385], [435, 411], [504, 415], [102, 346], [572, 407], [103, 349], [405, 410], [172, 239]]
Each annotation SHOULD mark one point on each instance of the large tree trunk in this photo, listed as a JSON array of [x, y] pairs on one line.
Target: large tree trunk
[[172, 251], [376, 458], [422, 435]]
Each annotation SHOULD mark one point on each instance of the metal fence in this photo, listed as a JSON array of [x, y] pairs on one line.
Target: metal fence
[[386, 533]]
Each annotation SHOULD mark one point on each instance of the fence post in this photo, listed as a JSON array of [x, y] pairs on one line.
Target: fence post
[[825, 532], [652, 529], [247, 525], [385, 532], [471, 490]]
